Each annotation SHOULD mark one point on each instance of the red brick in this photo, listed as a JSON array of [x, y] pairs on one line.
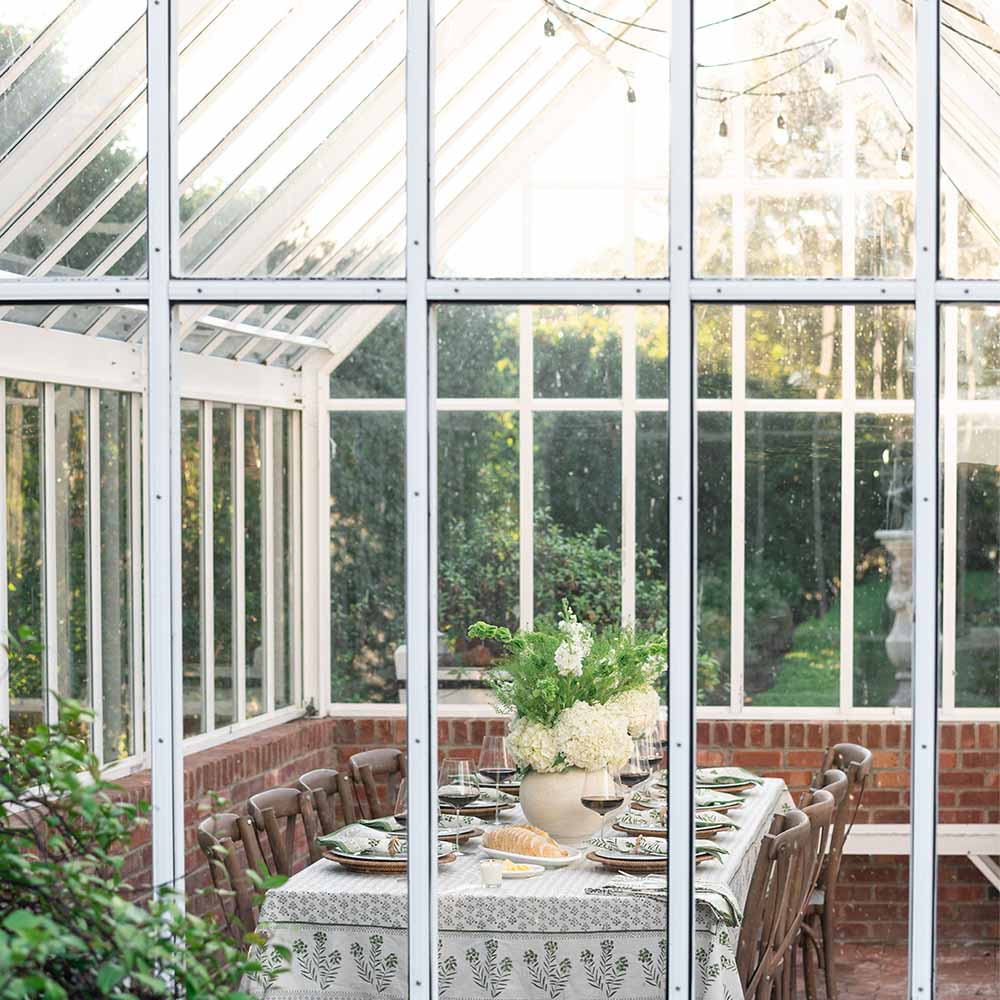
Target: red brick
[[894, 735], [757, 758], [988, 761], [796, 734], [720, 734], [757, 735], [967, 736], [776, 734], [988, 735], [985, 799], [892, 779], [812, 759], [883, 759], [961, 779]]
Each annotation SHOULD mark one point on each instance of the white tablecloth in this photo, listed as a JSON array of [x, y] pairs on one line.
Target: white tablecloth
[[534, 939]]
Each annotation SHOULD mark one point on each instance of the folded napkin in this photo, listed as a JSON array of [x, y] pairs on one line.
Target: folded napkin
[[720, 900], [712, 819], [626, 845], [644, 820], [709, 798], [387, 823], [710, 847], [447, 824], [725, 776], [623, 884], [360, 840]]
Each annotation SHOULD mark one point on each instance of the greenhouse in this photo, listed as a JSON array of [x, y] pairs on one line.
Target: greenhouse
[[501, 499]]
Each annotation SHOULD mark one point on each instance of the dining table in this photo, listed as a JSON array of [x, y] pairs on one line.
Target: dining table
[[561, 935]]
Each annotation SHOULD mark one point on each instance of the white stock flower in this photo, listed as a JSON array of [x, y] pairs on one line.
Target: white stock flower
[[575, 648], [592, 736], [640, 709], [532, 745]]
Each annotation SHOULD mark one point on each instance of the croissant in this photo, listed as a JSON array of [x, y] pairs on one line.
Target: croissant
[[518, 840]]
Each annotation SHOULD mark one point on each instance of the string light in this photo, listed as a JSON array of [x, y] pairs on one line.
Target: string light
[[779, 132], [904, 160], [839, 22], [549, 28], [828, 81], [630, 94]]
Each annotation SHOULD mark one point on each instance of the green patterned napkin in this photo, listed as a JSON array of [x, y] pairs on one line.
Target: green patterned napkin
[[725, 776], [626, 845], [709, 798], [710, 847], [713, 819], [720, 900], [360, 840], [641, 820], [717, 897]]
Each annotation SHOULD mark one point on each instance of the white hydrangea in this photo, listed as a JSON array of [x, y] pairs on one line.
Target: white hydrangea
[[532, 745], [575, 648], [639, 708], [592, 736]]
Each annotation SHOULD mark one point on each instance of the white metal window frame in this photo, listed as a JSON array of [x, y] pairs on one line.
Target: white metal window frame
[[418, 291]]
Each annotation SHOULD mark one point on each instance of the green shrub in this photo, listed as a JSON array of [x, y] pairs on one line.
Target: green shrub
[[69, 926]]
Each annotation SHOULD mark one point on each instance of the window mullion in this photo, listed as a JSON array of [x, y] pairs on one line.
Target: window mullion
[[4, 603], [95, 646]]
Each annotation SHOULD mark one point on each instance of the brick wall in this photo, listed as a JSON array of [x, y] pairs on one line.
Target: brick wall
[[875, 888]]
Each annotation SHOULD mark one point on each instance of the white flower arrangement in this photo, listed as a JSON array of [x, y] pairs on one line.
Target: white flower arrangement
[[578, 698]]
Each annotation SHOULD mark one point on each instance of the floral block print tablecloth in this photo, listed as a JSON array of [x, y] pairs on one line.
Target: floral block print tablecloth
[[543, 938]]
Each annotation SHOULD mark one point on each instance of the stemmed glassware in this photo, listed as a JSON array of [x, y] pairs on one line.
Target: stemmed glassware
[[496, 765], [636, 770], [400, 811], [602, 793], [649, 748], [457, 786]]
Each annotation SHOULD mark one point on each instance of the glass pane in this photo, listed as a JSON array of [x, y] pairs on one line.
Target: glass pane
[[223, 559], [292, 126], [118, 666], [523, 189], [25, 556], [883, 557], [284, 557], [478, 350], [367, 556], [970, 100], [193, 544], [578, 351], [793, 352], [968, 956], [578, 519], [72, 542], [73, 138], [478, 544], [884, 351], [253, 560], [651, 549], [804, 140], [374, 366]]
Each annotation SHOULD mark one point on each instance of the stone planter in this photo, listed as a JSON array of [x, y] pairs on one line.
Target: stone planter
[[552, 802]]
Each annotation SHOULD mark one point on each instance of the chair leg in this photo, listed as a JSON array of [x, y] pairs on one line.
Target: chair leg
[[808, 969], [825, 928]]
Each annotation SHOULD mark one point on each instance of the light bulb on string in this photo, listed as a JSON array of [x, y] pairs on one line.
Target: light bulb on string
[[779, 131], [722, 137], [828, 81], [549, 28], [838, 25], [630, 94], [904, 160]]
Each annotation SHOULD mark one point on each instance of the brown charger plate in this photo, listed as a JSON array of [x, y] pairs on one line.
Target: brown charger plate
[[719, 809], [632, 832], [481, 811], [739, 786], [640, 865], [377, 866]]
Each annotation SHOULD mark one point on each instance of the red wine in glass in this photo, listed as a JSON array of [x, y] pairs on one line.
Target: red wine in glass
[[631, 778], [459, 796], [497, 775], [602, 804]]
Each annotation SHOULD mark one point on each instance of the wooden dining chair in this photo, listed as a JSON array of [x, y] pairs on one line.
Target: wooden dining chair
[[367, 767], [820, 806], [229, 843], [329, 790], [268, 809], [819, 925], [773, 910]]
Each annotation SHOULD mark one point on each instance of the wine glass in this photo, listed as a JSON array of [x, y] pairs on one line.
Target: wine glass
[[457, 786], [400, 811], [636, 770], [602, 793], [651, 753], [496, 764]]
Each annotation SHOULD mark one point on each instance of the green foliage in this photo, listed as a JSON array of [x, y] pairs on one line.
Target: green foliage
[[70, 928], [528, 682]]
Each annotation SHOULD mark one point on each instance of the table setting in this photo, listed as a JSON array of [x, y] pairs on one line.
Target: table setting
[[558, 891]]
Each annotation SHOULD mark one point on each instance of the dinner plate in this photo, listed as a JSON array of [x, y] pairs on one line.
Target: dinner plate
[[377, 866], [727, 807], [531, 859], [635, 864], [482, 811], [646, 831], [534, 870]]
